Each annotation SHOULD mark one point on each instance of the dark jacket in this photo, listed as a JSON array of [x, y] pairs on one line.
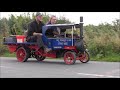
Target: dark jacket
[[50, 31], [34, 27], [48, 23]]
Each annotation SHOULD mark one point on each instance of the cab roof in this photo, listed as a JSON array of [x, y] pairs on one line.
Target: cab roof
[[64, 26]]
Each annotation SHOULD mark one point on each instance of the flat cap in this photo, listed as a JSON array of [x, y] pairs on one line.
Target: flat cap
[[38, 14]]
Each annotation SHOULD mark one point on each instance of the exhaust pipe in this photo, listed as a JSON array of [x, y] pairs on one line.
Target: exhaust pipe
[[81, 27]]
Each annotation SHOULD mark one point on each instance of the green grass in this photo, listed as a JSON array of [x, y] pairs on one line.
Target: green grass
[[8, 54], [110, 58]]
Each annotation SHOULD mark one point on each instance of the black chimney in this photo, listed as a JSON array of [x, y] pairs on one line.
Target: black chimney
[[81, 27]]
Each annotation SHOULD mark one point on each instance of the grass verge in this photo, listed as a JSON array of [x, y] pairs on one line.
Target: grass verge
[[110, 58]]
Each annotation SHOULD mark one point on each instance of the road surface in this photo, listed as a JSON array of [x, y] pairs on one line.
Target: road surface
[[11, 68]]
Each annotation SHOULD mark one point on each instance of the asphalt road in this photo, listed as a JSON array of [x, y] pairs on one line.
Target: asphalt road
[[11, 68]]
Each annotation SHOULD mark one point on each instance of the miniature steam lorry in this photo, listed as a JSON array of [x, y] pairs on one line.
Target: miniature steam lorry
[[70, 47]]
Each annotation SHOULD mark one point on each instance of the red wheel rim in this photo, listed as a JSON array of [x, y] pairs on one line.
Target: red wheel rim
[[40, 52], [69, 57], [21, 55], [83, 57]]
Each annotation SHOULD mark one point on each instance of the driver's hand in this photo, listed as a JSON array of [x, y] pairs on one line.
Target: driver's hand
[[37, 34], [40, 34]]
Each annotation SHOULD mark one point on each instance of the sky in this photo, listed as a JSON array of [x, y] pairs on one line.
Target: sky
[[94, 18]]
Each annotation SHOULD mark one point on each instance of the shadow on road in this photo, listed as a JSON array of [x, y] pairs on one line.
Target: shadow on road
[[51, 62], [46, 61]]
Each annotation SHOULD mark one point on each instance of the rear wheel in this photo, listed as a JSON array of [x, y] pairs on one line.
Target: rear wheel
[[70, 58], [22, 54], [40, 58], [84, 57]]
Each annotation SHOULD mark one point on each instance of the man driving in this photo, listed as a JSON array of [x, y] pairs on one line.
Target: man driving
[[35, 31]]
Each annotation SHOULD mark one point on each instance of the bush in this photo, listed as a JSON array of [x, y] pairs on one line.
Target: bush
[[102, 40], [3, 49]]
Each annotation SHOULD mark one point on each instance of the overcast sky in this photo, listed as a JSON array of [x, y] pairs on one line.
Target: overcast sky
[[94, 18]]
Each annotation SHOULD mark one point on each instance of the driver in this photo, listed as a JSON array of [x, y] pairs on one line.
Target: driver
[[34, 33]]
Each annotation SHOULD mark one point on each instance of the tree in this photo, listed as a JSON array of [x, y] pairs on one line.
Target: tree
[[63, 20], [116, 24], [4, 27]]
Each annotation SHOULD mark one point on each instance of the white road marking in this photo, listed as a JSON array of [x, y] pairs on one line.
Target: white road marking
[[6, 67], [97, 75], [113, 71]]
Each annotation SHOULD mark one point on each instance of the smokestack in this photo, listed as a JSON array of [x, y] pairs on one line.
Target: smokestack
[[81, 27]]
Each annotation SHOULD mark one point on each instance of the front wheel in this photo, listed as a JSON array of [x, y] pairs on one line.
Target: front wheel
[[84, 57], [70, 58]]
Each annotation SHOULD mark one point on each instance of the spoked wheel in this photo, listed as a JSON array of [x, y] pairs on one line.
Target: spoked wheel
[[40, 57], [70, 58], [85, 57], [22, 54]]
